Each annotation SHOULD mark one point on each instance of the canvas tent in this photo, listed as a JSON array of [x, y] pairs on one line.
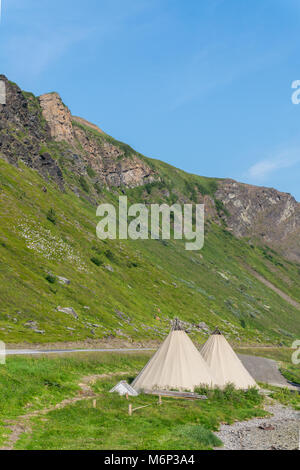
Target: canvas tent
[[177, 365], [224, 363]]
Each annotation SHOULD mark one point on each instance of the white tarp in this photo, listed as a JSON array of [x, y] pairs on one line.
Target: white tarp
[[177, 365], [123, 388], [226, 366]]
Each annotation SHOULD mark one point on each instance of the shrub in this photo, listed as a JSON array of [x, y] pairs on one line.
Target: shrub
[[50, 278], [98, 188], [44, 149], [221, 208], [132, 264], [84, 184], [51, 216], [91, 172], [148, 188], [109, 255], [97, 250], [231, 394], [96, 261]]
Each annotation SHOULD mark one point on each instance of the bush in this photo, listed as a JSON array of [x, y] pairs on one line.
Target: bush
[[148, 188], [50, 278], [109, 255], [96, 261], [51, 216], [84, 184], [97, 250], [98, 188], [221, 208], [132, 264], [231, 394], [91, 172]]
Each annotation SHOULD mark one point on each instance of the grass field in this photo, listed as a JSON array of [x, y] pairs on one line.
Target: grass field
[[30, 384]]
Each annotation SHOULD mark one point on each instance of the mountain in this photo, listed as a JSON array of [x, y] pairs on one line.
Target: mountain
[[59, 282]]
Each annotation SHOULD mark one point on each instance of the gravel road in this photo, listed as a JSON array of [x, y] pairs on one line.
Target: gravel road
[[29, 352], [264, 370], [279, 432]]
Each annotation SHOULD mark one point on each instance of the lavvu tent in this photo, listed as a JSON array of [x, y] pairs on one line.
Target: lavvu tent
[[177, 365], [224, 363]]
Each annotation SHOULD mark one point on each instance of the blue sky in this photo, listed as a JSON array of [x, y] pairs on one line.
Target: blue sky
[[202, 84]]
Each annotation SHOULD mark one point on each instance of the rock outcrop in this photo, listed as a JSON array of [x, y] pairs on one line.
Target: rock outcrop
[[23, 133], [113, 166], [89, 124], [28, 124], [58, 117], [262, 213]]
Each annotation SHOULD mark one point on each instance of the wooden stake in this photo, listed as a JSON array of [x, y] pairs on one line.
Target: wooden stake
[[94, 403], [130, 410], [159, 400], [126, 396]]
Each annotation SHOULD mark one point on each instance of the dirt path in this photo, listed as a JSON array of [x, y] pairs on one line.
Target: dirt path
[[279, 432], [282, 294], [22, 424]]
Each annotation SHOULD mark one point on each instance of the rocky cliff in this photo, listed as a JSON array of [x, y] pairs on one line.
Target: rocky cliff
[[30, 126], [263, 214], [23, 133], [113, 164]]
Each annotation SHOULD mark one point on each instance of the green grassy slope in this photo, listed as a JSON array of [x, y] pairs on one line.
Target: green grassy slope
[[152, 281]]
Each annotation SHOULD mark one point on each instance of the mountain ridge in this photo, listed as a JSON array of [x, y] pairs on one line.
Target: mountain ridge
[[246, 204], [60, 283]]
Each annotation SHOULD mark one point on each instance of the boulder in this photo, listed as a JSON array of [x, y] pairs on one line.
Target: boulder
[[203, 326], [123, 316], [68, 311], [63, 280], [109, 268]]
